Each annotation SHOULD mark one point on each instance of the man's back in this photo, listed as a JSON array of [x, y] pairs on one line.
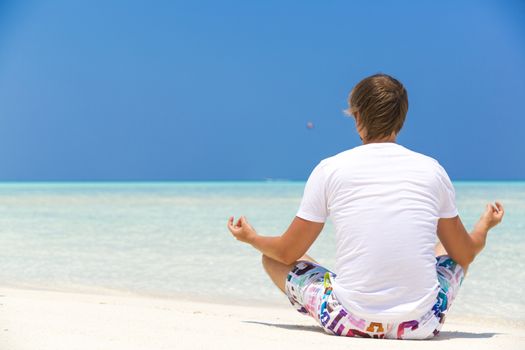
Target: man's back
[[385, 202], [388, 205]]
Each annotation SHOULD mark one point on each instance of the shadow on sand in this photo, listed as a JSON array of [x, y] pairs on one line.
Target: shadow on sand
[[446, 335], [293, 327]]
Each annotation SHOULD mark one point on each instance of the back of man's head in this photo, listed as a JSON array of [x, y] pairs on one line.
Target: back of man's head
[[381, 103]]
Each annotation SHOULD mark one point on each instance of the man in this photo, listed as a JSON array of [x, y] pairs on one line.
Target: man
[[387, 204]]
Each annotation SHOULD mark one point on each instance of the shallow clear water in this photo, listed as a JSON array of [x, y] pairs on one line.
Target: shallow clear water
[[171, 239]]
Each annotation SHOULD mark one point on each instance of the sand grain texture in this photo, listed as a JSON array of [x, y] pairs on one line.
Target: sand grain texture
[[31, 320]]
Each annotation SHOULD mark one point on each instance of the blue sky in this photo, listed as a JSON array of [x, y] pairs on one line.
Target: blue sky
[[222, 90]]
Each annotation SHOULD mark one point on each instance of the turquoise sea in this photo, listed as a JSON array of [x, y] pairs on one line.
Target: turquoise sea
[[170, 239]]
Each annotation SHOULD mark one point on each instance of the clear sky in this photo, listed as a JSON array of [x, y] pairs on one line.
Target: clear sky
[[223, 90]]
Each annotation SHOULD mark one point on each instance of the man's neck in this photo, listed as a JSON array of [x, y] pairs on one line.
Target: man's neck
[[388, 139]]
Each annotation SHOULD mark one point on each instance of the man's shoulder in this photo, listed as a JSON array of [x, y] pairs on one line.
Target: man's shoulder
[[360, 151], [335, 159], [422, 157], [432, 165], [344, 159], [357, 153], [343, 155]]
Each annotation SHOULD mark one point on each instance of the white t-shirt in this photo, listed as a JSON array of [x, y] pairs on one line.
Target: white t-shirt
[[384, 201]]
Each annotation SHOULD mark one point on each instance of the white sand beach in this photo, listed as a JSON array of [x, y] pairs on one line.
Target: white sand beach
[[33, 319]]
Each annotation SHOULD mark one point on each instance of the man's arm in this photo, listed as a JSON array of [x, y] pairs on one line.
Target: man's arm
[[461, 246], [288, 247]]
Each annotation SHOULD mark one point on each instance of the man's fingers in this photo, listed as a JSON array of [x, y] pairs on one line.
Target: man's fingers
[[230, 225], [496, 211], [500, 212], [241, 230]]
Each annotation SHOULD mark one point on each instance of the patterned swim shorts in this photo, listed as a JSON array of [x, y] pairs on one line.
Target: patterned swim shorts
[[309, 288]]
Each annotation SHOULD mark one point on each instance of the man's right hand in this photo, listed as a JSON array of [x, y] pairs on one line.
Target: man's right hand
[[491, 217], [461, 246]]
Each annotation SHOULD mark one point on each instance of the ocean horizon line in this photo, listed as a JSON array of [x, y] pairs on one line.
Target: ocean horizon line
[[211, 181]]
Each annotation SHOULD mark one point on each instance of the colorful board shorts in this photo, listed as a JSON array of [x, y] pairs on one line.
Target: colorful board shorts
[[309, 288]]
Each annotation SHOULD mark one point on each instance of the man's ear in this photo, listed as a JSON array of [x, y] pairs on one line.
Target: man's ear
[[357, 118], [358, 125]]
